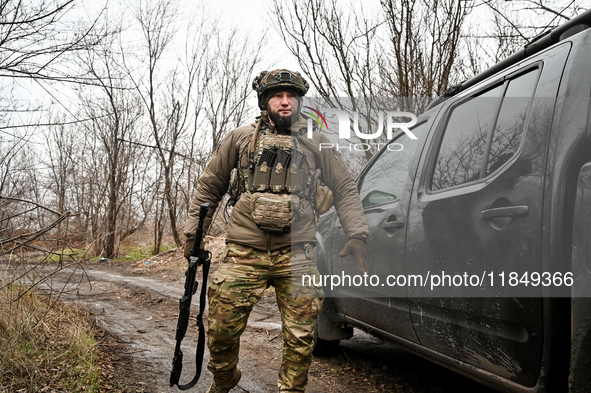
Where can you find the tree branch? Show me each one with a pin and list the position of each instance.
(31, 202)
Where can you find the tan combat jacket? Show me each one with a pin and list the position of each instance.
(233, 153)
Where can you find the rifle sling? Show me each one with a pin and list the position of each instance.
(201, 340)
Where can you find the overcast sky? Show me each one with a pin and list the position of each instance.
(252, 17)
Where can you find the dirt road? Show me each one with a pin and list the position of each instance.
(138, 306)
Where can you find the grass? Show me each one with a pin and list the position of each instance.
(135, 253)
(126, 253)
(46, 346)
(67, 254)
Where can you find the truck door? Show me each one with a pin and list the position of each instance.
(384, 188)
(476, 216)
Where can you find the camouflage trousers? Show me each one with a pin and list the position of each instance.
(245, 273)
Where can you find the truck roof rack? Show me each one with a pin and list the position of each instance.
(575, 25)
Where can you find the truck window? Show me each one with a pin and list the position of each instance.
(484, 132)
(511, 121)
(385, 180)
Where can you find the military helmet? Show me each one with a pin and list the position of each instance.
(269, 82)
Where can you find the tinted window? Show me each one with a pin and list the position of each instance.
(385, 180)
(470, 150)
(511, 121)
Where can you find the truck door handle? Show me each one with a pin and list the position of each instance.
(505, 211)
(393, 224)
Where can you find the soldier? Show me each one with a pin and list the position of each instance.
(274, 173)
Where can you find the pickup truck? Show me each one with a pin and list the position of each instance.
(497, 188)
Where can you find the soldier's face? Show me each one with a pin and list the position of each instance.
(281, 107)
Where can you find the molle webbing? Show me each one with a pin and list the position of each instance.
(279, 166)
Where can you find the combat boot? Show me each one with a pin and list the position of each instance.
(226, 386)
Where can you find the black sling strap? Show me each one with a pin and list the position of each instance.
(198, 257)
(201, 340)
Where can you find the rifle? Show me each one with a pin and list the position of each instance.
(198, 257)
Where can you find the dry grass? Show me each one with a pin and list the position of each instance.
(45, 346)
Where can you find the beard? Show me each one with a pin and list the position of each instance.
(283, 121)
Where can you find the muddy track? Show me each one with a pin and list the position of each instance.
(138, 307)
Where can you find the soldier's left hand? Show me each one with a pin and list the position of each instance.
(357, 248)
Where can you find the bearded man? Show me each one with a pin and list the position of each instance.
(274, 173)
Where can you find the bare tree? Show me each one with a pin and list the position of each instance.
(63, 158)
(334, 46)
(512, 26)
(158, 29)
(337, 48)
(211, 83)
(114, 115)
(231, 69)
(38, 40)
(35, 36)
(423, 48)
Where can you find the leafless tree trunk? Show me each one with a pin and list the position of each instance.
(217, 77)
(423, 48)
(63, 155)
(157, 24)
(158, 226)
(231, 69)
(114, 118)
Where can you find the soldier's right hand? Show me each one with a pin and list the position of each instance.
(188, 247)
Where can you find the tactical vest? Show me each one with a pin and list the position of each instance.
(277, 177)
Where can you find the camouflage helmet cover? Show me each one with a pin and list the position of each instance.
(269, 82)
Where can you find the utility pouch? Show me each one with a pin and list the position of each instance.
(271, 210)
(279, 172)
(324, 199)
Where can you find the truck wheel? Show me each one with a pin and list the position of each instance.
(581, 383)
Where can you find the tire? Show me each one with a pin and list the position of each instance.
(579, 380)
(582, 382)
